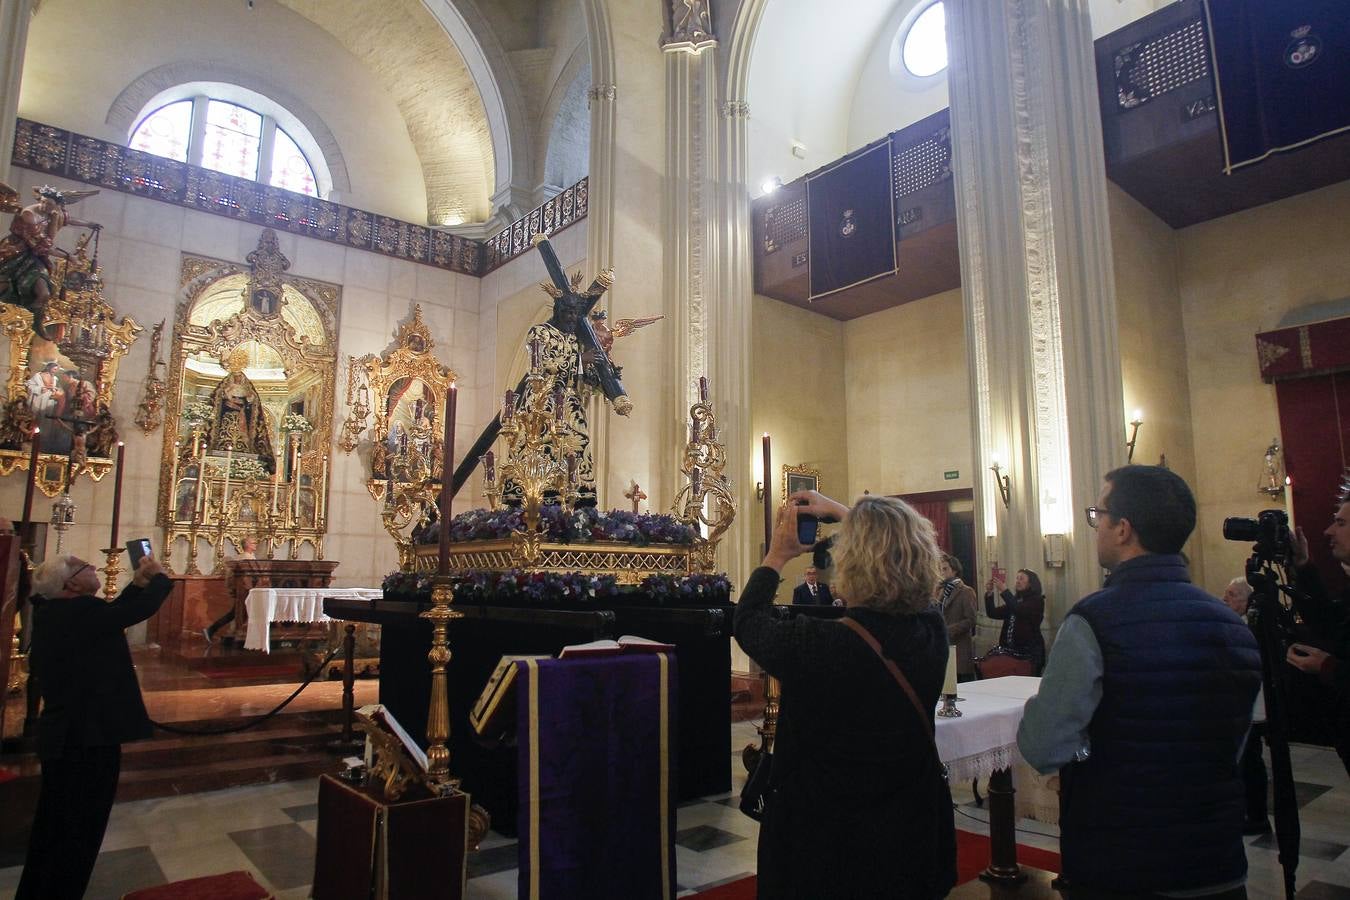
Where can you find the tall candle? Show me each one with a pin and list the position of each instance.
(225, 498)
(534, 354)
(571, 468)
(117, 493)
(509, 407)
(703, 389)
(173, 486)
(768, 494)
(28, 532)
(558, 405)
(949, 680)
(276, 485)
(321, 489)
(490, 466)
(447, 476)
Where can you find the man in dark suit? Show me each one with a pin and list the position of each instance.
(811, 591)
(91, 704)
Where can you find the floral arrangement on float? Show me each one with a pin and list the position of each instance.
(562, 590)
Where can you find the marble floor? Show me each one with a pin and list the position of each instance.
(269, 831)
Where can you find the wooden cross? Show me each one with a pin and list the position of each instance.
(635, 494)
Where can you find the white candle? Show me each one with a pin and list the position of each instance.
(1289, 501)
(949, 682)
(173, 486)
(276, 477)
(225, 499)
(320, 488)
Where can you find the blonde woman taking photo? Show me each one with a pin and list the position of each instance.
(857, 805)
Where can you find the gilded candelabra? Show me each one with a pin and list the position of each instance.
(541, 458)
(706, 501)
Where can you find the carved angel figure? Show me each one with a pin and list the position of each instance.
(605, 336)
(25, 253)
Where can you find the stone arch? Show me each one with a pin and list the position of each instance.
(134, 97)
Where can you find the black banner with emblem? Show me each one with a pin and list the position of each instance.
(851, 215)
(1281, 74)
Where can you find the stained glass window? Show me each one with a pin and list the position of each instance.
(233, 134)
(233, 139)
(925, 44)
(165, 132)
(290, 169)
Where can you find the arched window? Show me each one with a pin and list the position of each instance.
(923, 41)
(227, 137)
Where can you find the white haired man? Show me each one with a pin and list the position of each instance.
(91, 705)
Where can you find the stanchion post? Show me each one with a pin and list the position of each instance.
(1003, 867)
(348, 683)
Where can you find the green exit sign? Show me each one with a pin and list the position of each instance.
(952, 475)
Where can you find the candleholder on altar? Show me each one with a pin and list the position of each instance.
(948, 709)
(540, 458)
(707, 500)
(438, 712)
(112, 570)
(63, 517)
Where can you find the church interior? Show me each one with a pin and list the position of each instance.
(323, 276)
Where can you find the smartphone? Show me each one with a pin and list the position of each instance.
(807, 525)
(136, 550)
(996, 573)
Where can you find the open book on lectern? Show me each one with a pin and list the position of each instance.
(489, 717)
(385, 721)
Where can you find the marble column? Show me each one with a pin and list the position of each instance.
(1037, 280)
(14, 19)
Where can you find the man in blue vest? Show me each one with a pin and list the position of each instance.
(1143, 709)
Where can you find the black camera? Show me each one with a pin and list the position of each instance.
(1269, 531)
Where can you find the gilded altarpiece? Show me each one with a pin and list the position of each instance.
(250, 409)
(396, 407)
(64, 385)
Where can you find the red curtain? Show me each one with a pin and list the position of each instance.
(935, 512)
(1315, 426)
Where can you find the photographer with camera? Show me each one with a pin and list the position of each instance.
(1329, 620)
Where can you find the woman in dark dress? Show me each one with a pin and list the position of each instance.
(1021, 613)
(857, 806)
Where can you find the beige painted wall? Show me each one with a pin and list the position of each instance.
(1238, 276)
(799, 398)
(1153, 344)
(908, 398)
(140, 251)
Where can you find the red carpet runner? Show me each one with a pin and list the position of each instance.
(972, 855)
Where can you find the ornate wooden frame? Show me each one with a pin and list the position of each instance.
(802, 469)
(79, 296)
(265, 272)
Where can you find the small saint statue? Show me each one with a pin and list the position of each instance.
(25, 253)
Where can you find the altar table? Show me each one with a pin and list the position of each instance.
(268, 605)
(982, 743)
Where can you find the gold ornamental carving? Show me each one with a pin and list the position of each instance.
(150, 412)
(63, 383)
(395, 402)
(249, 407)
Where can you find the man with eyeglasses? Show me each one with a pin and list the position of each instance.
(1143, 709)
(91, 705)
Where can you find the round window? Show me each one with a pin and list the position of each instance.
(924, 48)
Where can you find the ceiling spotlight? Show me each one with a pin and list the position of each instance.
(771, 184)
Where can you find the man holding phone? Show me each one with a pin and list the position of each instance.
(91, 705)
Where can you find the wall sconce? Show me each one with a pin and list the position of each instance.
(1134, 435)
(1273, 480)
(759, 490)
(1054, 550)
(1004, 482)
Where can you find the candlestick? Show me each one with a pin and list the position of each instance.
(949, 710)
(117, 492)
(447, 476)
(29, 531)
(173, 486)
(768, 494)
(703, 389)
(225, 497)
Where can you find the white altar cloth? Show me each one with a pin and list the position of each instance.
(984, 738)
(268, 605)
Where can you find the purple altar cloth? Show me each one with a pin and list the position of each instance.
(597, 801)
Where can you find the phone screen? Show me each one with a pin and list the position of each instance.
(807, 525)
(136, 550)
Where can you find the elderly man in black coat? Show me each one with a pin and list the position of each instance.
(91, 705)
